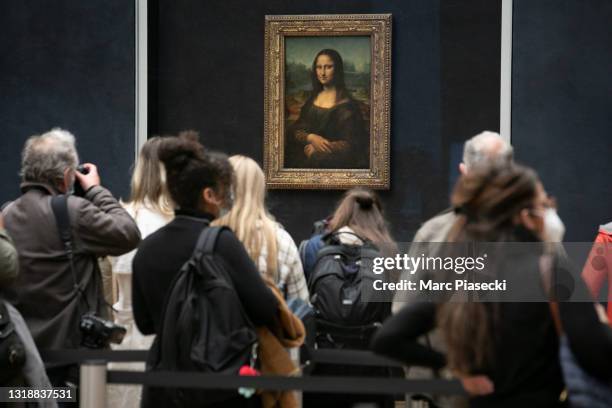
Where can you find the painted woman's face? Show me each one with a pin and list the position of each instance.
(325, 69)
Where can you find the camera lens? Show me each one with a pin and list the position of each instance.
(82, 169)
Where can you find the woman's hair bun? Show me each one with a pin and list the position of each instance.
(365, 202)
(177, 152)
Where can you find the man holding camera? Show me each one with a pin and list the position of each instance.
(55, 291)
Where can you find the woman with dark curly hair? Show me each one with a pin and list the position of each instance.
(200, 187)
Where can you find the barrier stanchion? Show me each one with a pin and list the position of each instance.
(294, 353)
(93, 384)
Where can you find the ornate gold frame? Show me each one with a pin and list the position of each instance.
(378, 26)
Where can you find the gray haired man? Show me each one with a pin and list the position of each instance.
(485, 149)
(48, 294)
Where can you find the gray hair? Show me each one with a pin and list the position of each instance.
(486, 148)
(45, 157)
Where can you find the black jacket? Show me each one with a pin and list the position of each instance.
(159, 259)
(162, 254)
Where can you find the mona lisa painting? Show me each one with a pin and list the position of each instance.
(327, 100)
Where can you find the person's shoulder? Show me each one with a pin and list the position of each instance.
(230, 249)
(315, 242)
(226, 239)
(284, 240)
(439, 220)
(281, 233)
(78, 203)
(442, 217)
(606, 229)
(436, 228)
(78, 207)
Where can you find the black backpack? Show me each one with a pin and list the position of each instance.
(12, 350)
(204, 326)
(335, 286)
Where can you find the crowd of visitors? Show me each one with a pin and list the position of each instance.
(207, 280)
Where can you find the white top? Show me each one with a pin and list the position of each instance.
(128, 396)
(148, 221)
(347, 236)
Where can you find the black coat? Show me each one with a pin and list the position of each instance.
(159, 259)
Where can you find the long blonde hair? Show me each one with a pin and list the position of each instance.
(254, 226)
(148, 186)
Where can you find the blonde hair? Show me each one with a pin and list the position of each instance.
(148, 186)
(254, 226)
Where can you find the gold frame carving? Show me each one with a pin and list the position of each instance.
(378, 27)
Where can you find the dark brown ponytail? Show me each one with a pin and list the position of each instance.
(361, 210)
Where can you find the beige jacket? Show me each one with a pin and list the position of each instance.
(274, 358)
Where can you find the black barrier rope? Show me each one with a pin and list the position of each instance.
(322, 356)
(77, 356)
(353, 385)
(351, 357)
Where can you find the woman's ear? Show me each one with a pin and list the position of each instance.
(210, 202)
(206, 195)
(210, 197)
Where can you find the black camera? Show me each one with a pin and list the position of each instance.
(78, 189)
(99, 333)
(82, 169)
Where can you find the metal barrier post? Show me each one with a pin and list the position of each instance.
(294, 353)
(93, 384)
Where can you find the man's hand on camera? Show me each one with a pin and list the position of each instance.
(90, 179)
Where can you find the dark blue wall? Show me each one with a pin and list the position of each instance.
(562, 105)
(68, 63)
(207, 74)
(71, 63)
